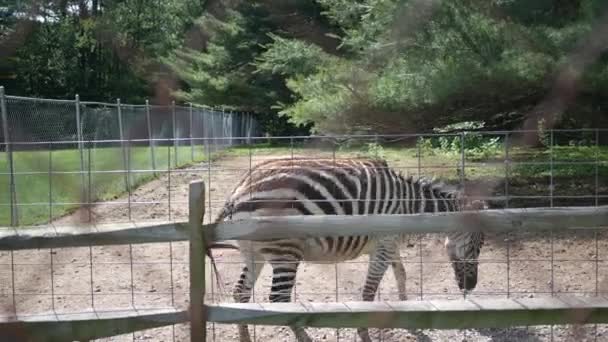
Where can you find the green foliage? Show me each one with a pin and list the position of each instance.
(102, 52)
(374, 150)
(340, 66)
(242, 66)
(431, 63)
(544, 137)
(323, 97)
(459, 138)
(7, 17)
(290, 57)
(223, 73)
(578, 162)
(401, 65)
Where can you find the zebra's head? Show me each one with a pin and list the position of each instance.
(463, 249)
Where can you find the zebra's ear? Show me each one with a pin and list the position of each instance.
(439, 184)
(423, 180)
(405, 176)
(476, 204)
(479, 204)
(449, 188)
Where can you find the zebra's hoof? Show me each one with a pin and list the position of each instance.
(244, 334)
(301, 335)
(364, 335)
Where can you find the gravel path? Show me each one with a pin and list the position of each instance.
(141, 275)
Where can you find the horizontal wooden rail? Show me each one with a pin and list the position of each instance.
(532, 219)
(268, 228)
(91, 235)
(85, 326)
(426, 314)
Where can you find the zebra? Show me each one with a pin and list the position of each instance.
(358, 186)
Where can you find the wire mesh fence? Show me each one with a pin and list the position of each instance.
(49, 120)
(118, 177)
(102, 149)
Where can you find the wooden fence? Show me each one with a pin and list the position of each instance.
(436, 314)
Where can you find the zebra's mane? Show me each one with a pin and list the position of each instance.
(377, 161)
(433, 182)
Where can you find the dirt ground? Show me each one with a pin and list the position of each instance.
(156, 275)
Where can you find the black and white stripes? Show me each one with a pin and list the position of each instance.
(338, 187)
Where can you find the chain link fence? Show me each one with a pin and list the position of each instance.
(104, 148)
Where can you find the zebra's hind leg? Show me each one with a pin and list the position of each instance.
(244, 287)
(400, 276)
(283, 279)
(379, 261)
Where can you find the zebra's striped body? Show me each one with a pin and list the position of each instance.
(338, 187)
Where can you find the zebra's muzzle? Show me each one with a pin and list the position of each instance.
(466, 275)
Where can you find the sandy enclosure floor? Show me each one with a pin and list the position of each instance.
(156, 275)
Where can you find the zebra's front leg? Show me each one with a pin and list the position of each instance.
(378, 264)
(283, 280)
(244, 288)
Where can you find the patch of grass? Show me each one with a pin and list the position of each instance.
(562, 161)
(54, 176)
(485, 159)
(261, 149)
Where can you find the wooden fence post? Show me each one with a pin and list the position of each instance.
(198, 316)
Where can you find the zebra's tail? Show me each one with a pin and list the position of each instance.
(221, 245)
(210, 248)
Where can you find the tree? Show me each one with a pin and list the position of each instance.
(336, 65)
(414, 65)
(223, 72)
(99, 49)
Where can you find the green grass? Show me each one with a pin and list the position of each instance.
(35, 188)
(568, 161)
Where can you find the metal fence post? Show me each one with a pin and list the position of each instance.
(462, 161)
(50, 176)
(249, 127)
(244, 120)
(175, 142)
(242, 116)
(507, 169)
(150, 137)
(122, 144)
(9, 156)
(551, 165)
(198, 317)
(205, 132)
(191, 135)
(231, 119)
(83, 189)
(211, 132)
(223, 128)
